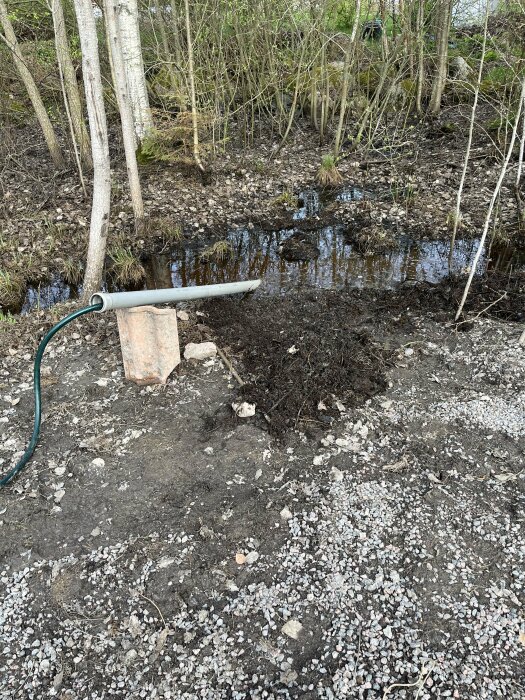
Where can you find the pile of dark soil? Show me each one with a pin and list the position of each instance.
(305, 352)
(303, 355)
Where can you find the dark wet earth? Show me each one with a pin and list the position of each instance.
(288, 259)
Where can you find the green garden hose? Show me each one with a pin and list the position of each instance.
(36, 388)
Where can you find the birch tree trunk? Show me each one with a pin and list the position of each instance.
(126, 114)
(346, 79)
(493, 200)
(420, 34)
(443, 19)
(70, 83)
(128, 28)
(98, 129)
(191, 79)
(31, 87)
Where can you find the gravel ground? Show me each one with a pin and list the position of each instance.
(159, 548)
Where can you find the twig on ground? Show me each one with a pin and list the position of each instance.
(469, 320)
(419, 684)
(231, 368)
(152, 602)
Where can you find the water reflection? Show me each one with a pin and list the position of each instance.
(44, 296)
(312, 201)
(354, 194)
(256, 254)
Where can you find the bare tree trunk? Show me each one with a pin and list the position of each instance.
(493, 200)
(457, 213)
(98, 229)
(32, 90)
(70, 83)
(128, 28)
(126, 115)
(176, 33)
(72, 132)
(443, 19)
(346, 79)
(420, 32)
(191, 79)
(384, 36)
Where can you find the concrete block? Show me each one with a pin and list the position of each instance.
(149, 340)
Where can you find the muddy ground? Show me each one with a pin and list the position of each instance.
(158, 546)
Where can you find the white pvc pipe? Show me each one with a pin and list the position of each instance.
(128, 300)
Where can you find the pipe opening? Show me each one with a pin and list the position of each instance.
(98, 299)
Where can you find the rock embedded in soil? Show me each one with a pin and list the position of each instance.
(244, 409)
(292, 629)
(200, 351)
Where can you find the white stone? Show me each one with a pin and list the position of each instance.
(200, 351)
(292, 628)
(244, 409)
(252, 557)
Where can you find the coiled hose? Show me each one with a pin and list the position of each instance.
(36, 388)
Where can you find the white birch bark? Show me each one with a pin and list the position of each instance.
(126, 115)
(493, 200)
(32, 90)
(444, 16)
(99, 147)
(128, 28)
(72, 93)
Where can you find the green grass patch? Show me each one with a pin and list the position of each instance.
(126, 268)
(328, 175)
(11, 289)
(218, 252)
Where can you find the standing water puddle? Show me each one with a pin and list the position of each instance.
(334, 262)
(257, 255)
(311, 202)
